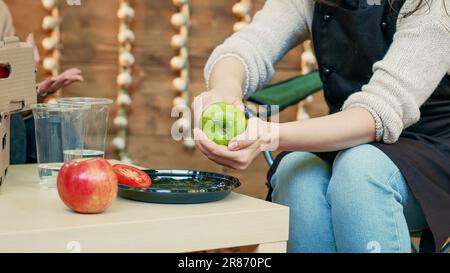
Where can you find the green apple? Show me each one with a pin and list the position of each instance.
(222, 122)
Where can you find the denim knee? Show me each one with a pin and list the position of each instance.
(362, 169)
(294, 164)
(299, 173)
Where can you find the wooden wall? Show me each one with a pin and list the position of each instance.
(89, 42)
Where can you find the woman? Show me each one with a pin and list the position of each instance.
(378, 166)
(23, 143)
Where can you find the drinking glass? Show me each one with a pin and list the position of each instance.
(53, 123)
(95, 124)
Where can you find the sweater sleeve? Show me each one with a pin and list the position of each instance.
(415, 64)
(278, 27)
(6, 22)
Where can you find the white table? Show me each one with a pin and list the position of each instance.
(35, 220)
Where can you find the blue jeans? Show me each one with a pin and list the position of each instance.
(23, 140)
(359, 204)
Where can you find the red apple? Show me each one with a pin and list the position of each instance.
(87, 185)
(4, 71)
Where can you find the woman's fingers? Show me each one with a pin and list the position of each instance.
(218, 150)
(66, 79)
(73, 74)
(72, 79)
(199, 138)
(72, 71)
(239, 160)
(240, 144)
(246, 156)
(57, 84)
(45, 85)
(248, 138)
(211, 147)
(239, 104)
(200, 142)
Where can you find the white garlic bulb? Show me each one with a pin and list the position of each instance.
(178, 62)
(126, 160)
(49, 43)
(179, 101)
(125, 12)
(239, 25)
(241, 9)
(52, 101)
(178, 19)
(126, 35)
(49, 22)
(189, 143)
(121, 122)
(180, 84)
(180, 2)
(124, 100)
(185, 124)
(119, 143)
(50, 64)
(178, 41)
(308, 57)
(126, 59)
(49, 4)
(125, 79)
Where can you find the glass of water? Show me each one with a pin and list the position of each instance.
(52, 123)
(95, 124)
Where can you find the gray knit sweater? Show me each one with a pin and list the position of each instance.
(416, 62)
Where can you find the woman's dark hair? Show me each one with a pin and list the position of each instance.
(391, 3)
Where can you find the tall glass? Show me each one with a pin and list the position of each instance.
(53, 123)
(95, 128)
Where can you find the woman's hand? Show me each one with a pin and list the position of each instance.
(207, 98)
(225, 84)
(243, 149)
(226, 81)
(53, 84)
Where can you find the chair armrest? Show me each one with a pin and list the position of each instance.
(289, 92)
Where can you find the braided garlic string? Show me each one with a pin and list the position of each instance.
(126, 61)
(51, 44)
(242, 10)
(180, 63)
(308, 64)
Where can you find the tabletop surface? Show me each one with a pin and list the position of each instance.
(26, 211)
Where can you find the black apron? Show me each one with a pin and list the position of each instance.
(348, 40)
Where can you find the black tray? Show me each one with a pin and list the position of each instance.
(182, 187)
